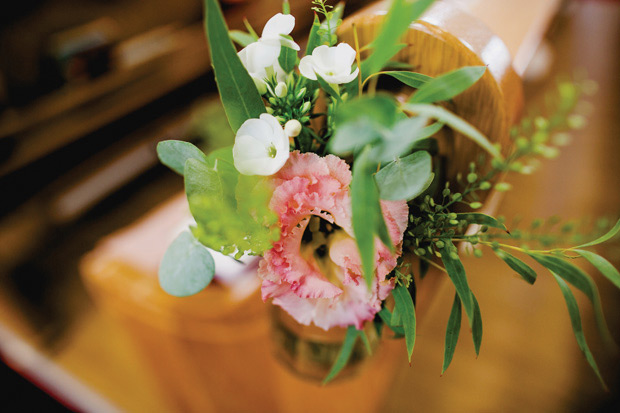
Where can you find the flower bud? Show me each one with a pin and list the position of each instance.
(485, 185)
(301, 93)
(305, 107)
(503, 187)
(475, 205)
(292, 128)
(281, 90)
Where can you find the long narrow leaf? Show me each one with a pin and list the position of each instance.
(582, 282)
(344, 354)
(411, 79)
(452, 333)
(404, 303)
(386, 316)
(238, 92)
(314, 39)
(601, 264)
(521, 268)
(609, 235)
(476, 328)
(456, 123)
(401, 14)
(456, 272)
(481, 219)
(575, 319)
(448, 85)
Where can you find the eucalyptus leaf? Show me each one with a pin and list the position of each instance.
(241, 38)
(582, 282)
(344, 354)
(396, 319)
(448, 85)
(385, 45)
(386, 316)
(381, 109)
(476, 328)
(453, 330)
(456, 272)
(456, 123)
(352, 137)
(575, 319)
(367, 216)
(328, 88)
(521, 268)
(314, 39)
(404, 303)
(186, 268)
(287, 59)
(609, 235)
(601, 264)
(238, 92)
(174, 154)
(200, 178)
(411, 79)
(481, 219)
(405, 178)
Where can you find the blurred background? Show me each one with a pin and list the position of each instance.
(88, 88)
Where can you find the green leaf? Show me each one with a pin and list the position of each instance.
(405, 178)
(386, 44)
(365, 341)
(396, 320)
(404, 303)
(241, 38)
(452, 333)
(582, 282)
(366, 214)
(521, 268)
(601, 264)
(456, 123)
(186, 268)
(481, 219)
(314, 39)
(476, 328)
(287, 59)
(456, 272)
(174, 154)
(286, 7)
(344, 354)
(575, 319)
(448, 85)
(609, 235)
(381, 109)
(386, 316)
(352, 137)
(200, 178)
(411, 79)
(328, 88)
(238, 92)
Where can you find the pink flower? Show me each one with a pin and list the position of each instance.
(314, 270)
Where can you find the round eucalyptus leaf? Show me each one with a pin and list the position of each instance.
(187, 267)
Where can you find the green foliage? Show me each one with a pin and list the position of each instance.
(601, 264)
(241, 38)
(186, 268)
(521, 268)
(174, 154)
(344, 354)
(231, 210)
(582, 282)
(452, 333)
(287, 59)
(575, 319)
(411, 79)
(476, 328)
(237, 89)
(404, 304)
(448, 85)
(367, 218)
(386, 44)
(481, 219)
(456, 123)
(314, 39)
(405, 178)
(456, 272)
(386, 316)
(329, 89)
(606, 237)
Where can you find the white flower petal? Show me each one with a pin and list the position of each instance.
(255, 143)
(306, 67)
(349, 78)
(279, 24)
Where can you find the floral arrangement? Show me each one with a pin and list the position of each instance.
(336, 184)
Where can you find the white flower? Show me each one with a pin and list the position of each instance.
(331, 63)
(261, 57)
(281, 90)
(292, 128)
(261, 146)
